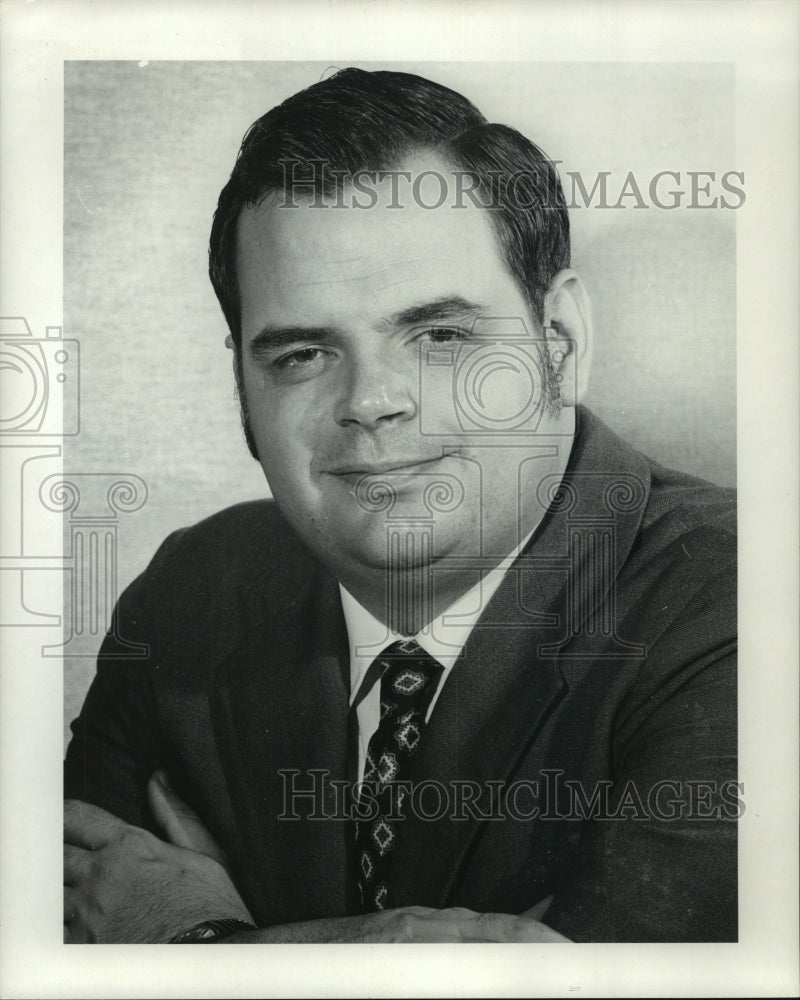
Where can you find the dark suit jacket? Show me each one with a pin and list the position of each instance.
(604, 665)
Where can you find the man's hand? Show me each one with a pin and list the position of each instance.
(123, 885)
(420, 924)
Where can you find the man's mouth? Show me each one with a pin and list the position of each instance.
(385, 467)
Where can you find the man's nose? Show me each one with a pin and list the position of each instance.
(374, 394)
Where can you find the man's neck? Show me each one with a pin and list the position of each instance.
(407, 612)
(407, 598)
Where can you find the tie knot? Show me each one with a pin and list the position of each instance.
(405, 649)
(406, 673)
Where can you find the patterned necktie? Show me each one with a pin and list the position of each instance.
(408, 681)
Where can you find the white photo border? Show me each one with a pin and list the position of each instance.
(760, 40)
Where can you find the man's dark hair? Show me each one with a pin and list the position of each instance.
(369, 121)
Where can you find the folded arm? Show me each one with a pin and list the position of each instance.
(124, 885)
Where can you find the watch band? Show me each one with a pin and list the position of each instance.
(212, 931)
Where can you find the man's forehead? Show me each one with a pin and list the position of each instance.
(370, 202)
(370, 251)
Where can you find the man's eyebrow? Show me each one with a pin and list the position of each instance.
(446, 308)
(272, 338)
(450, 307)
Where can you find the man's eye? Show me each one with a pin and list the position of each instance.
(444, 334)
(297, 359)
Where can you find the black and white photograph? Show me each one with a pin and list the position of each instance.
(393, 452)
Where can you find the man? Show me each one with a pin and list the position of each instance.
(472, 675)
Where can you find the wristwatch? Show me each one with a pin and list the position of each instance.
(212, 931)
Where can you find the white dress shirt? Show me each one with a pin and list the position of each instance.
(443, 638)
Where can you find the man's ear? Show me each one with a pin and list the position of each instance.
(229, 342)
(569, 332)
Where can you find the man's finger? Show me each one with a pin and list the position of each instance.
(70, 905)
(74, 931)
(537, 912)
(508, 928)
(76, 862)
(181, 824)
(88, 826)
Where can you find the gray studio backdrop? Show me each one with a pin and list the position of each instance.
(148, 147)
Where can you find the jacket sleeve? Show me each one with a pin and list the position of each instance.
(116, 745)
(662, 865)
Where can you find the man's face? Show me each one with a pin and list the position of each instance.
(392, 374)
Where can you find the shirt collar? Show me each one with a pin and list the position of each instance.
(443, 638)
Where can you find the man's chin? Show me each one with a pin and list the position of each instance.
(397, 548)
